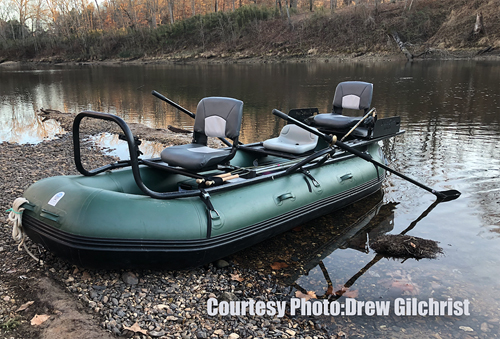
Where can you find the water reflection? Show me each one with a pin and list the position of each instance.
(19, 127)
(112, 145)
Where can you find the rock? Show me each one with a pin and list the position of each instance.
(228, 296)
(290, 332)
(221, 263)
(466, 329)
(130, 278)
(484, 327)
(201, 334)
(156, 333)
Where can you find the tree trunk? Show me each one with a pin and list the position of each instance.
(479, 25)
(333, 5)
(288, 14)
(171, 11)
(402, 47)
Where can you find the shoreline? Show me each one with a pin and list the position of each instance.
(190, 58)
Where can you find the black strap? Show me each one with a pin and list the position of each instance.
(205, 197)
(313, 180)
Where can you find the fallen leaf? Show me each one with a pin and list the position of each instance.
(236, 277)
(278, 265)
(135, 328)
(86, 276)
(351, 293)
(39, 319)
(309, 295)
(24, 306)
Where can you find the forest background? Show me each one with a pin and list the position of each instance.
(88, 30)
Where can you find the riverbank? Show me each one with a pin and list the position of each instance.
(426, 29)
(223, 58)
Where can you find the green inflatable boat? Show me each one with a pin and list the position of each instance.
(196, 204)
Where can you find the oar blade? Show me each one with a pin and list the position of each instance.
(448, 195)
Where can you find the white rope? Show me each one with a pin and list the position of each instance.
(16, 217)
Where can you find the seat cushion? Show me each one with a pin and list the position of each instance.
(292, 139)
(335, 121)
(194, 157)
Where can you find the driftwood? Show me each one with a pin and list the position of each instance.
(401, 46)
(405, 246)
(178, 130)
(486, 50)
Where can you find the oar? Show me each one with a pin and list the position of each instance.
(176, 105)
(182, 109)
(441, 195)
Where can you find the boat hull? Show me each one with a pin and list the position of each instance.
(100, 222)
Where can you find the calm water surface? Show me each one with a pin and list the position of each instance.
(451, 114)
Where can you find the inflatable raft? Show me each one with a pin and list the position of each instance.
(196, 204)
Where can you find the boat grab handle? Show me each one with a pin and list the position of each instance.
(284, 196)
(346, 177)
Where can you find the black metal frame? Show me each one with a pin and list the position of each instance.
(306, 164)
(134, 161)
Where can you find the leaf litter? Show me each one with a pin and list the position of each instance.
(405, 246)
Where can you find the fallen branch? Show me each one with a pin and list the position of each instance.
(178, 130)
(486, 50)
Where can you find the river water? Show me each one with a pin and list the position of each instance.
(451, 113)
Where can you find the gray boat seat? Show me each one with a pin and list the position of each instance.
(215, 117)
(292, 139)
(356, 95)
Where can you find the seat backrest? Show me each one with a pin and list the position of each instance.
(353, 95)
(219, 117)
(296, 135)
(292, 139)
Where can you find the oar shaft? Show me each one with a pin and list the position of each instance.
(288, 118)
(443, 195)
(176, 105)
(366, 157)
(180, 108)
